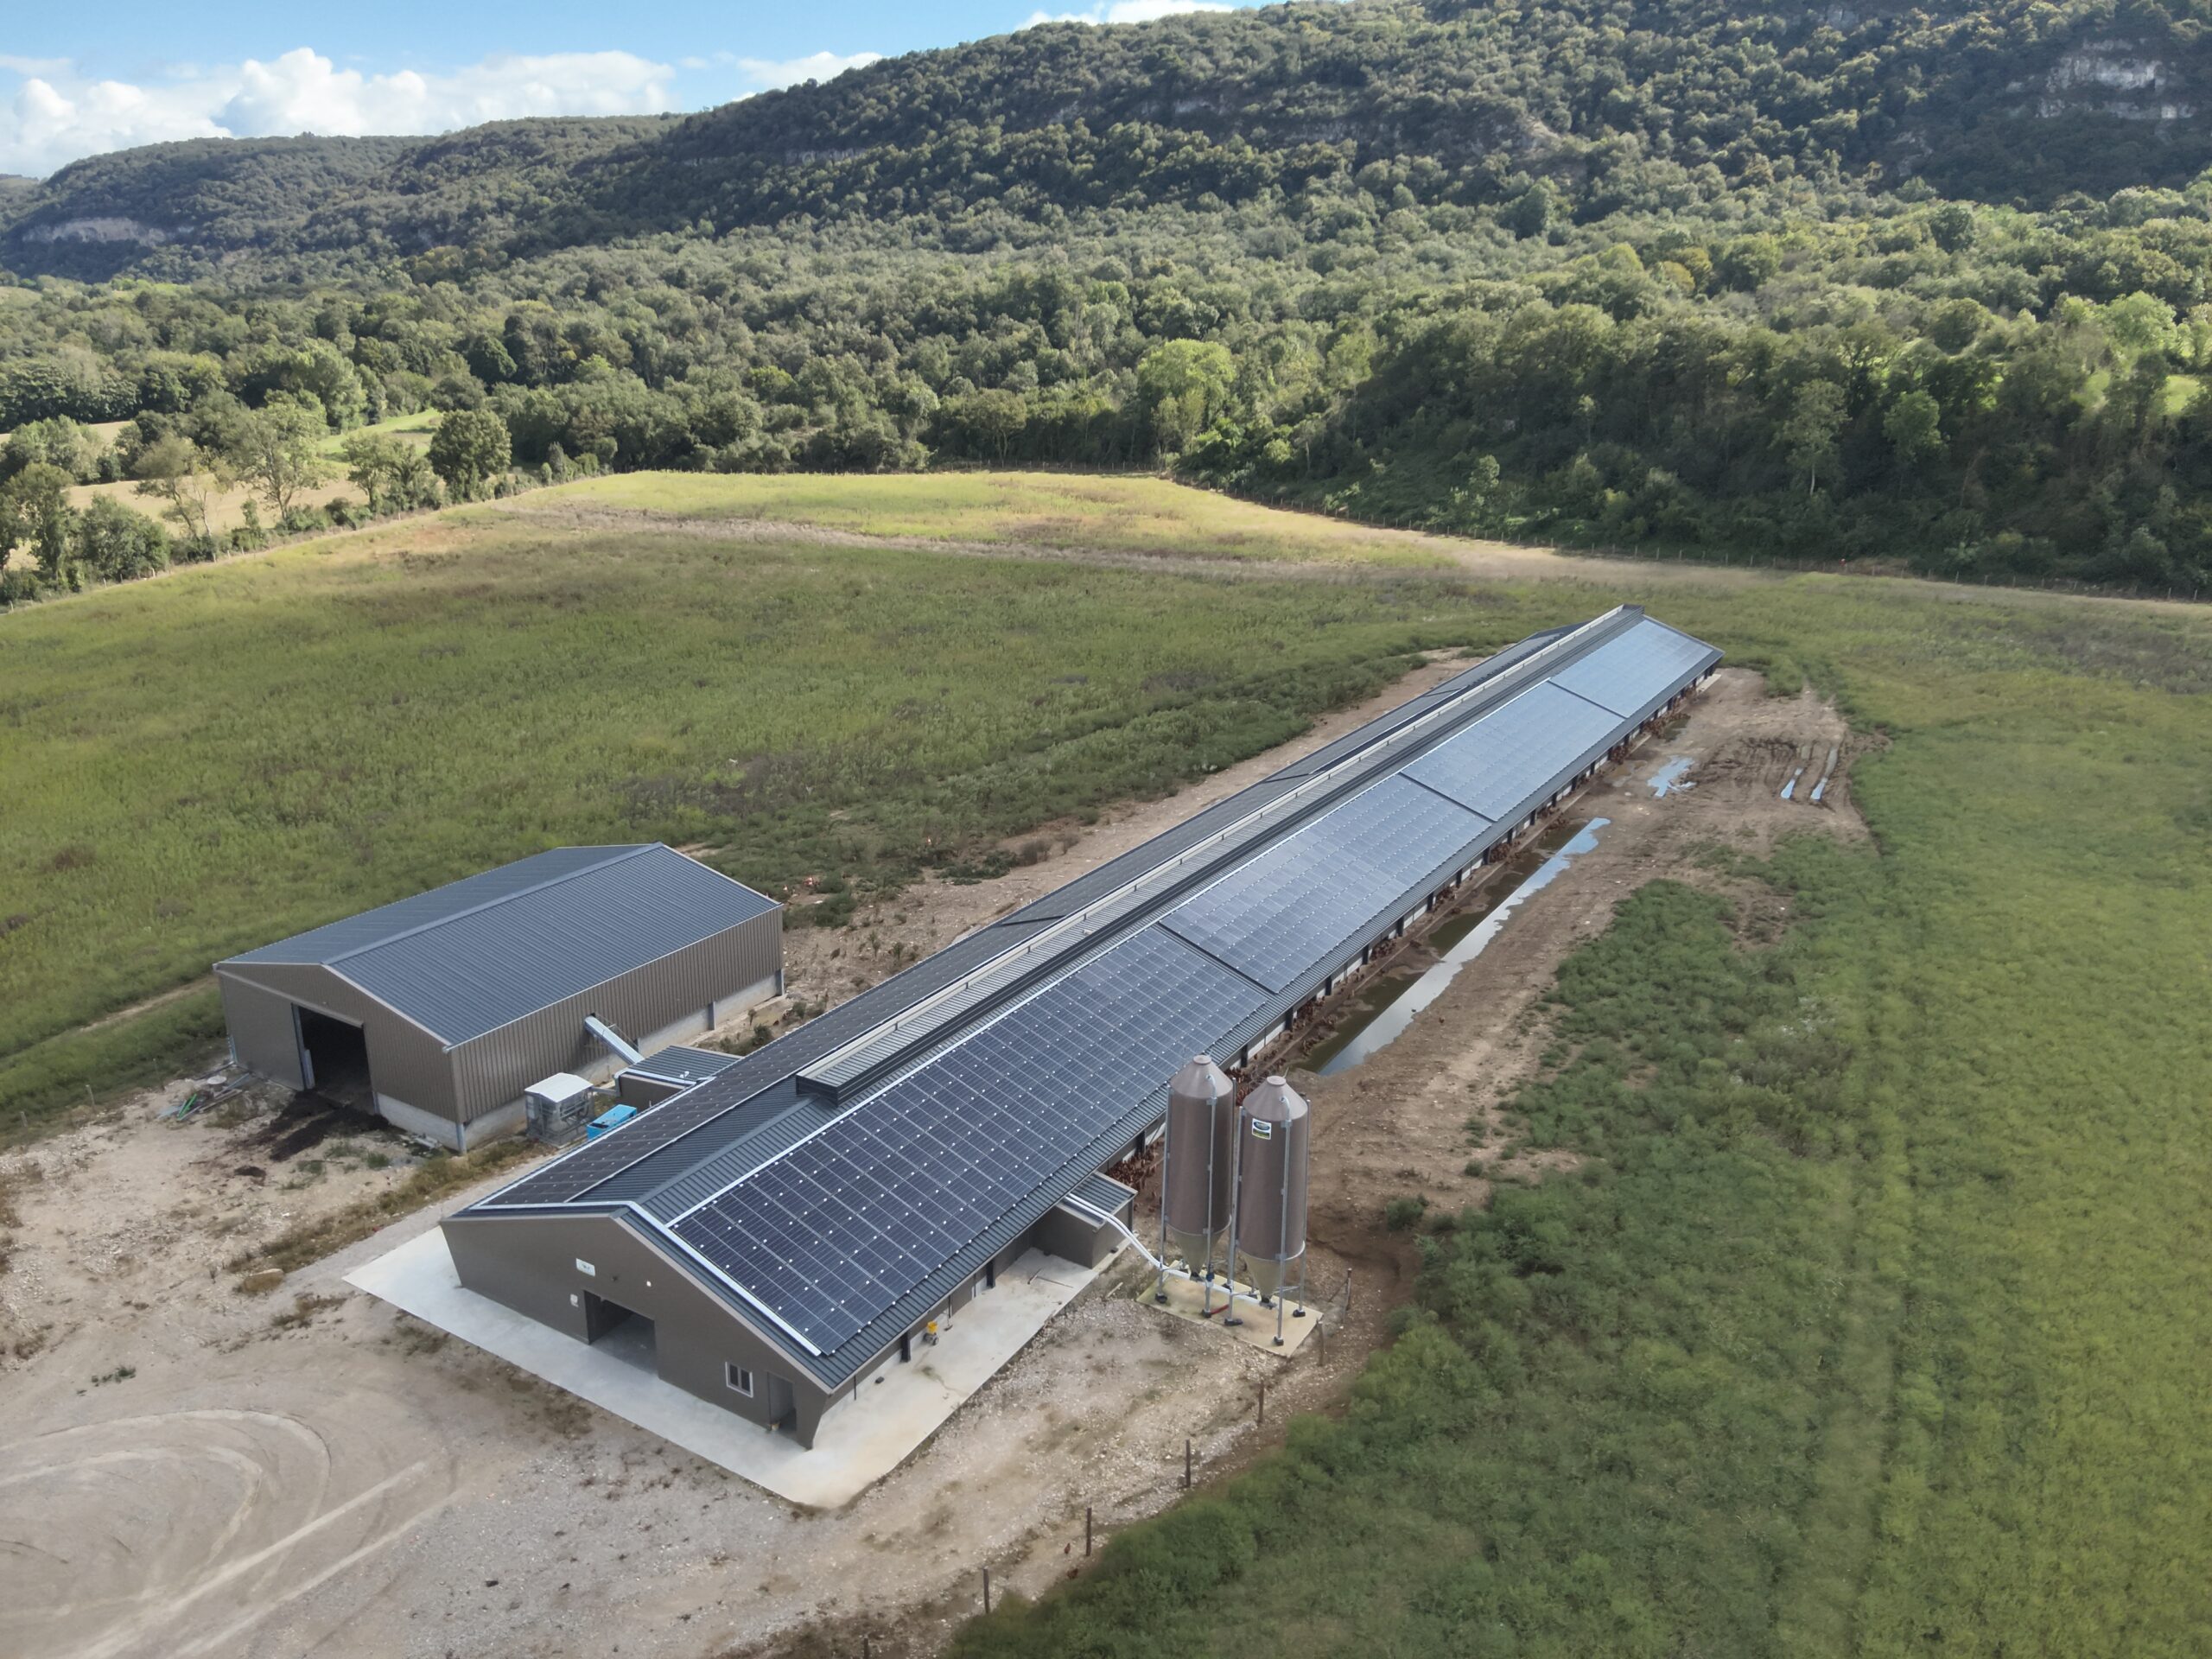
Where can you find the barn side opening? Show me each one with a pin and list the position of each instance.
(621, 1333)
(334, 1060)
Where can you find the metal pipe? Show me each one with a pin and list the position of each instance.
(1236, 1214)
(1166, 1151)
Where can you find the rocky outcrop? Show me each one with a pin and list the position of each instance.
(103, 230)
(2114, 78)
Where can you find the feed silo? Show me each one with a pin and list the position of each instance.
(1267, 1249)
(1198, 1159)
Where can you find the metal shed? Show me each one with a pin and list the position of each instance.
(439, 1011)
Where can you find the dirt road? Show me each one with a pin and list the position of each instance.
(187, 1470)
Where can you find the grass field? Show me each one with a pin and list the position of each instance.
(1873, 1320)
(1112, 512)
(220, 757)
(416, 428)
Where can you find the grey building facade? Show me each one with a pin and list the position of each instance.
(439, 1011)
(792, 1223)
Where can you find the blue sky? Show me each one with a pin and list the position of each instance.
(77, 81)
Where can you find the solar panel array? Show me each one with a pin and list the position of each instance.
(1507, 756)
(664, 1145)
(831, 1220)
(1275, 917)
(844, 1225)
(1634, 668)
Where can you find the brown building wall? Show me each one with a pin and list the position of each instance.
(406, 1063)
(1074, 1237)
(529, 1263)
(662, 1002)
(264, 1036)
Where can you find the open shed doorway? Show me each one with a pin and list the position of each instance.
(334, 1060)
(620, 1332)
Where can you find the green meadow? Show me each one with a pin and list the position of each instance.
(229, 754)
(1104, 512)
(1872, 1319)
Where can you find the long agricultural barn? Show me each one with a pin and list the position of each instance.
(788, 1226)
(440, 1010)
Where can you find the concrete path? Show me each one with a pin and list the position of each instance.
(860, 1439)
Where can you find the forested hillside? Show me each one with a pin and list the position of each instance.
(1922, 287)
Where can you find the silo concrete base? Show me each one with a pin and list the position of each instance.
(1258, 1330)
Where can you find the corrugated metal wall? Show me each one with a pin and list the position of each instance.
(533, 1264)
(405, 1061)
(412, 1066)
(497, 1067)
(264, 1038)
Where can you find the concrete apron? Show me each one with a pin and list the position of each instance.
(860, 1439)
(1185, 1298)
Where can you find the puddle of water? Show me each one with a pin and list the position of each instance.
(1388, 1006)
(1667, 780)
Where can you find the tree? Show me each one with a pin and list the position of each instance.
(278, 449)
(1914, 427)
(58, 442)
(1810, 435)
(393, 474)
(1184, 383)
(113, 543)
(991, 420)
(1952, 226)
(1528, 213)
(187, 479)
(1749, 262)
(316, 370)
(470, 448)
(35, 513)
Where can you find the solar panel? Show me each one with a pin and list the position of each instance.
(848, 1227)
(1500, 765)
(837, 1229)
(1303, 898)
(1630, 671)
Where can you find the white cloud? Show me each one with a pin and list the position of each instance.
(1126, 11)
(766, 74)
(55, 116)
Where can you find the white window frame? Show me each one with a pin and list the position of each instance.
(739, 1379)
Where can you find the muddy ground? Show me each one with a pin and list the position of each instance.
(189, 1469)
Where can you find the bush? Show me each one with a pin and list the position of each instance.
(1400, 1214)
(113, 543)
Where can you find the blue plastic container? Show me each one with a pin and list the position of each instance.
(612, 1119)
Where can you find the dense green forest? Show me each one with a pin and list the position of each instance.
(1922, 289)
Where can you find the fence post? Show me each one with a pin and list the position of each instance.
(1186, 1465)
(987, 1589)
(1086, 1532)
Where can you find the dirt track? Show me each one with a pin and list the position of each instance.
(278, 1477)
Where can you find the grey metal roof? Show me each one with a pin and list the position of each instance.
(679, 1064)
(1102, 1192)
(478, 954)
(719, 1136)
